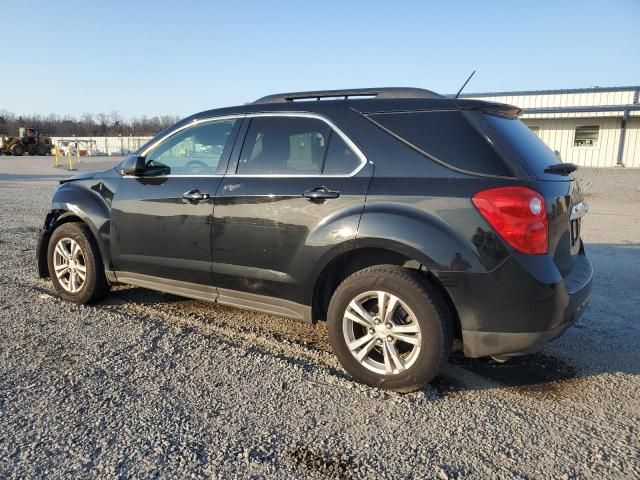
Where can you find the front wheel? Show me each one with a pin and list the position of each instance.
(19, 150)
(390, 328)
(75, 265)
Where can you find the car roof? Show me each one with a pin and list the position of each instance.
(364, 100)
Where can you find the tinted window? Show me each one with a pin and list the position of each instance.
(193, 151)
(447, 136)
(282, 145)
(527, 144)
(340, 158)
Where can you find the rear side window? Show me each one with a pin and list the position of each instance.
(448, 136)
(284, 145)
(294, 145)
(340, 159)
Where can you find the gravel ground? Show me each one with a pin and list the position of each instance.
(148, 385)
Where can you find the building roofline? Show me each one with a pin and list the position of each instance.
(552, 92)
(596, 108)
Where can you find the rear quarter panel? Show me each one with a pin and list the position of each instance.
(433, 221)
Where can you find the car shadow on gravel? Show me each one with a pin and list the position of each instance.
(613, 306)
(537, 375)
(125, 295)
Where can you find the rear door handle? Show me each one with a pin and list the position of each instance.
(320, 193)
(195, 196)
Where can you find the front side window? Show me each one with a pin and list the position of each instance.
(193, 151)
(586, 136)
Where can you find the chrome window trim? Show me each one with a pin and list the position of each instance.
(333, 126)
(178, 130)
(176, 176)
(189, 125)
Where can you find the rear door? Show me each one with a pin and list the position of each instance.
(161, 220)
(293, 195)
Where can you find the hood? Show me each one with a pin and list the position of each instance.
(80, 176)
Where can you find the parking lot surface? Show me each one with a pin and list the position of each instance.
(148, 384)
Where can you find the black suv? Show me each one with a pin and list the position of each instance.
(411, 222)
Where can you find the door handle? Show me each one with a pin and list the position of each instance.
(195, 196)
(320, 194)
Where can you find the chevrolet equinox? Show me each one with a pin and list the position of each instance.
(409, 221)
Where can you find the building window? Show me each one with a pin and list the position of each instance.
(586, 136)
(535, 129)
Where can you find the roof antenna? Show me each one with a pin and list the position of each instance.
(465, 84)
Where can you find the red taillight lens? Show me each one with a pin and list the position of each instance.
(518, 214)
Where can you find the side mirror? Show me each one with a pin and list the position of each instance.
(132, 165)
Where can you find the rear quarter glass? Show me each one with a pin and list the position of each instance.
(446, 136)
(531, 150)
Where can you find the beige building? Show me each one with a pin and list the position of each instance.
(591, 127)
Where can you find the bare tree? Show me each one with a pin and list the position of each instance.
(103, 120)
(89, 124)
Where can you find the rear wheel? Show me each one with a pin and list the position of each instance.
(75, 266)
(390, 328)
(42, 149)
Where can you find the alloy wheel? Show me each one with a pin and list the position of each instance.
(381, 332)
(69, 265)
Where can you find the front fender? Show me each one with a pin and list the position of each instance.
(87, 204)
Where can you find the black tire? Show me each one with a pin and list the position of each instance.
(41, 149)
(18, 150)
(95, 285)
(431, 313)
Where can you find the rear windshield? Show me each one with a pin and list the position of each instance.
(526, 143)
(447, 136)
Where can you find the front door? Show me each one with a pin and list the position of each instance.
(297, 192)
(161, 220)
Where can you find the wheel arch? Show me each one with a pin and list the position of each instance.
(347, 263)
(75, 205)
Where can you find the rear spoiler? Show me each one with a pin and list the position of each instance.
(366, 107)
(495, 107)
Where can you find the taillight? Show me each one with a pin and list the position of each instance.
(518, 214)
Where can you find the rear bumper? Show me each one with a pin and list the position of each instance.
(511, 312)
(482, 344)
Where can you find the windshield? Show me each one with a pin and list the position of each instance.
(533, 151)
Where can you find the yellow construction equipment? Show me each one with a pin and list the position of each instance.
(28, 141)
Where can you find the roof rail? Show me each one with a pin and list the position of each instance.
(385, 92)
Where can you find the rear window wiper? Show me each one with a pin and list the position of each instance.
(561, 168)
